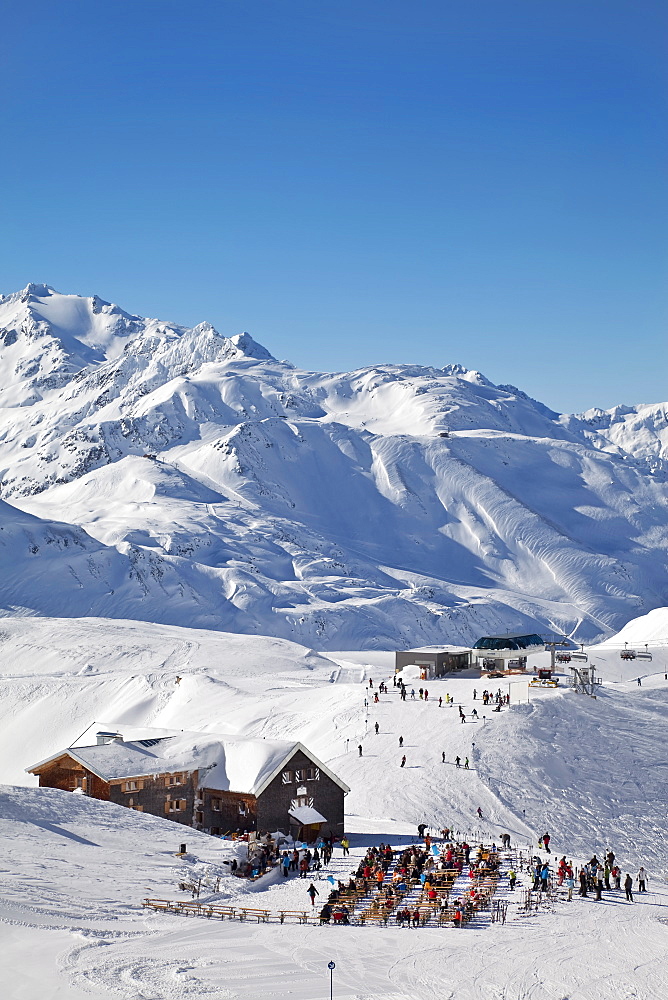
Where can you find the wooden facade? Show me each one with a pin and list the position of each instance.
(177, 795)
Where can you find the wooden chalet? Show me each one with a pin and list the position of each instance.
(218, 784)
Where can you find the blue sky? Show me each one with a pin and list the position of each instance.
(354, 182)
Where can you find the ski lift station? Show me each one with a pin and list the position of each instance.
(507, 652)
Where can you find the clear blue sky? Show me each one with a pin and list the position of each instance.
(354, 181)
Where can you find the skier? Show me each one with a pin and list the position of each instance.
(583, 882)
(639, 683)
(426, 695)
(544, 876)
(345, 844)
(546, 840)
(443, 757)
(403, 761)
(479, 811)
(359, 749)
(376, 727)
(570, 884)
(285, 864)
(313, 892)
(440, 702)
(421, 828)
(512, 878)
(642, 879)
(474, 694)
(466, 763)
(401, 741)
(458, 761)
(628, 887)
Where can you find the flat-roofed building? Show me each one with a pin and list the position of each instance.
(434, 661)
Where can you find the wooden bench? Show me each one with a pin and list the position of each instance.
(219, 911)
(374, 918)
(301, 915)
(249, 913)
(160, 904)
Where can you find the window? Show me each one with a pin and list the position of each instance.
(175, 805)
(132, 786)
(173, 779)
(302, 800)
(215, 805)
(313, 774)
(300, 775)
(287, 777)
(242, 808)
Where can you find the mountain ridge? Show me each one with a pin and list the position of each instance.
(391, 505)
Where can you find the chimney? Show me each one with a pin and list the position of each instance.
(103, 738)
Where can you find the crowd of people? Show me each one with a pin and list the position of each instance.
(594, 877)
(385, 877)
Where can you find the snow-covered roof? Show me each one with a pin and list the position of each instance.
(306, 815)
(439, 649)
(225, 763)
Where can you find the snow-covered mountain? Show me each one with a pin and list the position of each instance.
(175, 475)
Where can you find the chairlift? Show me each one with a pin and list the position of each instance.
(563, 657)
(579, 656)
(628, 654)
(644, 656)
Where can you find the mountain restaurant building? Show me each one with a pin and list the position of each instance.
(218, 784)
(434, 661)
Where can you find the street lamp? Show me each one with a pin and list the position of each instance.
(331, 966)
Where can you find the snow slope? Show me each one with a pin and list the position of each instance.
(75, 870)
(325, 508)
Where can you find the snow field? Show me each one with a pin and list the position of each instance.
(76, 870)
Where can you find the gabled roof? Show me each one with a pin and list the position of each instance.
(318, 763)
(225, 763)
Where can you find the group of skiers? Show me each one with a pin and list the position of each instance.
(423, 694)
(491, 698)
(594, 877)
(305, 861)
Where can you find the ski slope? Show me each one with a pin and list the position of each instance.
(75, 870)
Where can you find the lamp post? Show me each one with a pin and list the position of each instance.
(331, 966)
